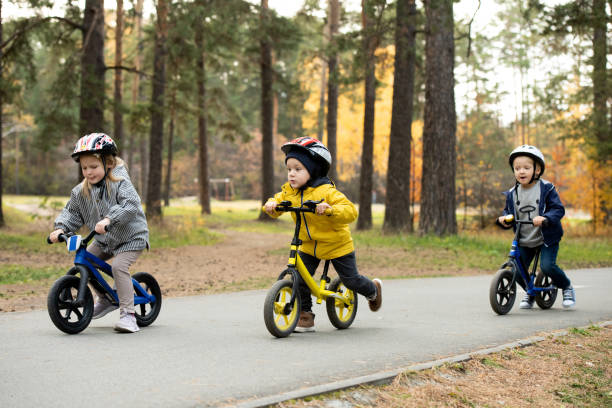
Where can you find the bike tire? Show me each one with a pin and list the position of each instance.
(279, 324)
(146, 313)
(502, 292)
(64, 314)
(341, 313)
(545, 299)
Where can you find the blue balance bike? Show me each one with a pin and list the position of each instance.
(70, 301)
(502, 292)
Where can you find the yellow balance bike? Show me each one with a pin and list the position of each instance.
(282, 305)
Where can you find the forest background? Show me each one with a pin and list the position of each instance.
(199, 93)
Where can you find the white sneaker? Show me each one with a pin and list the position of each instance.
(527, 302)
(569, 297)
(102, 307)
(127, 323)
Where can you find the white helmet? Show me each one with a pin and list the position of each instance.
(530, 151)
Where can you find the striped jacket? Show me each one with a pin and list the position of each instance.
(128, 230)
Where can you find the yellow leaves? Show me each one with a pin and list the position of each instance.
(350, 117)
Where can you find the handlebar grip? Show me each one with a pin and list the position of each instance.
(60, 238)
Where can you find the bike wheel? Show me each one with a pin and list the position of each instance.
(502, 291)
(545, 299)
(277, 322)
(341, 313)
(146, 313)
(64, 313)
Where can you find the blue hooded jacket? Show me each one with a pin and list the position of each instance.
(549, 206)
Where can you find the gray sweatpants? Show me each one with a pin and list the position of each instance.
(121, 273)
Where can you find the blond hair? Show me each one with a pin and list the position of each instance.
(111, 162)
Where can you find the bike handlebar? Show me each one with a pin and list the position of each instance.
(84, 241)
(309, 206)
(510, 220)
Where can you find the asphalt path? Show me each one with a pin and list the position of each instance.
(215, 350)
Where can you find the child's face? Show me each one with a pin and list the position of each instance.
(297, 175)
(92, 168)
(524, 168)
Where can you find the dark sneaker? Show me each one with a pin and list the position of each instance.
(306, 323)
(569, 297)
(527, 302)
(103, 307)
(376, 302)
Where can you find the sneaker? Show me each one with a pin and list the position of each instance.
(527, 302)
(376, 301)
(127, 323)
(306, 323)
(102, 307)
(569, 297)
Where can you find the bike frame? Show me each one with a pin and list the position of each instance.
(296, 267)
(516, 264)
(89, 266)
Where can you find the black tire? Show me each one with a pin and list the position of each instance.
(64, 313)
(341, 313)
(502, 292)
(545, 299)
(146, 313)
(277, 322)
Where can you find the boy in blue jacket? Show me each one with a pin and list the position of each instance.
(528, 165)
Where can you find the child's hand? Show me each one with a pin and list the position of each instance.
(270, 207)
(539, 221)
(101, 224)
(502, 220)
(321, 207)
(55, 234)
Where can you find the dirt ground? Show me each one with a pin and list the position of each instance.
(242, 260)
(574, 370)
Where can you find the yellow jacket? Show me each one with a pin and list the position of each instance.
(323, 236)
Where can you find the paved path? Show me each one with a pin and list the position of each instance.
(215, 350)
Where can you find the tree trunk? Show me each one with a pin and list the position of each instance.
(439, 157)
(321, 113)
(157, 113)
(1, 121)
(332, 85)
(202, 134)
(397, 205)
(91, 116)
(117, 114)
(136, 91)
(267, 111)
(365, 182)
(603, 134)
(168, 180)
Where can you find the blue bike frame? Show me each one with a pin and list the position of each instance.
(88, 266)
(517, 265)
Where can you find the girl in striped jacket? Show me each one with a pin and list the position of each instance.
(106, 197)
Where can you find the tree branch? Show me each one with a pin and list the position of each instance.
(128, 69)
(33, 23)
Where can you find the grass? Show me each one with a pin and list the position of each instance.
(403, 254)
(11, 274)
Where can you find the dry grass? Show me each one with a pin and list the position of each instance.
(574, 370)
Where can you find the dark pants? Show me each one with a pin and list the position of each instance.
(346, 266)
(548, 264)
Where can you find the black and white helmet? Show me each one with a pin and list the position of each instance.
(530, 151)
(313, 147)
(94, 143)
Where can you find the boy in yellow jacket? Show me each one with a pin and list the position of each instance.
(324, 235)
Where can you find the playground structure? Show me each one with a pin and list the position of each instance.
(222, 189)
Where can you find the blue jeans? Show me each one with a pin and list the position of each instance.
(346, 266)
(548, 264)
